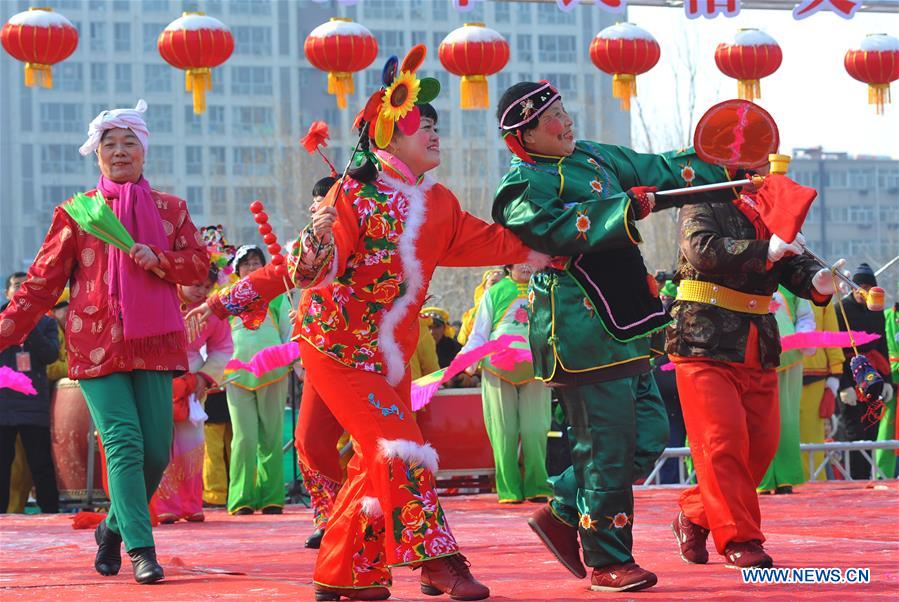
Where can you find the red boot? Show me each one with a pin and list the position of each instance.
(560, 539)
(691, 538)
(450, 575)
(621, 577)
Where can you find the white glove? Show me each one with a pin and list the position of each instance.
(777, 248)
(848, 396)
(833, 383)
(887, 392)
(823, 281)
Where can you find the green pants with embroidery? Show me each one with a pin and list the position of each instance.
(617, 430)
(133, 413)
(886, 458)
(256, 475)
(513, 413)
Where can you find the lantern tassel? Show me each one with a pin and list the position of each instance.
(879, 94)
(749, 89)
(624, 86)
(38, 73)
(340, 84)
(475, 93)
(198, 81)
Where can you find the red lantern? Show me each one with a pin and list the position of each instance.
(876, 63)
(473, 52)
(196, 43)
(341, 47)
(624, 51)
(752, 56)
(40, 38)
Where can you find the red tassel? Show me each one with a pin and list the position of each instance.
(516, 147)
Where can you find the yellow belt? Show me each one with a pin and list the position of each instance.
(721, 296)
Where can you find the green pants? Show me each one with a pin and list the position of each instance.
(786, 467)
(257, 470)
(512, 412)
(886, 458)
(133, 413)
(617, 430)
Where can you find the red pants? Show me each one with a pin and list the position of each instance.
(733, 425)
(387, 512)
(315, 438)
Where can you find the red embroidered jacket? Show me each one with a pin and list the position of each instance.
(94, 339)
(367, 287)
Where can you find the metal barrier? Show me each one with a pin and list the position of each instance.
(836, 454)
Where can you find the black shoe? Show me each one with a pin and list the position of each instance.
(108, 560)
(243, 511)
(273, 510)
(784, 489)
(315, 540)
(146, 569)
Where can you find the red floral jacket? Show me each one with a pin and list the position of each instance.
(94, 340)
(368, 285)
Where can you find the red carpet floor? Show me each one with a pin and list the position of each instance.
(839, 525)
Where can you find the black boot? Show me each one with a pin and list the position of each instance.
(315, 540)
(108, 560)
(146, 569)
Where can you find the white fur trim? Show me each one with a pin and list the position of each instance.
(371, 507)
(538, 260)
(409, 452)
(412, 270)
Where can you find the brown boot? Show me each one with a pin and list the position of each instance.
(327, 594)
(621, 577)
(450, 575)
(560, 539)
(691, 538)
(746, 554)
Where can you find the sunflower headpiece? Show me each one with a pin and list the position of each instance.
(396, 104)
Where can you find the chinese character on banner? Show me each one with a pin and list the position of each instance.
(711, 8)
(465, 5)
(609, 6)
(844, 8)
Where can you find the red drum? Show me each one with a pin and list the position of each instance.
(70, 427)
(453, 423)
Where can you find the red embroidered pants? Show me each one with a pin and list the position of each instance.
(315, 437)
(733, 425)
(387, 512)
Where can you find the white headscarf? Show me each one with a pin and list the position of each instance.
(131, 119)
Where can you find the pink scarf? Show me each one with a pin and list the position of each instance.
(148, 305)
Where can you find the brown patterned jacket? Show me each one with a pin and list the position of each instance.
(718, 244)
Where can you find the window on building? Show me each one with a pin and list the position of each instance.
(472, 123)
(523, 48)
(97, 6)
(193, 160)
(62, 117)
(195, 203)
(213, 7)
(156, 6)
(68, 77)
(420, 37)
(160, 160)
(150, 35)
(391, 41)
(193, 123)
(98, 37)
(417, 11)
(836, 178)
(523, 12)
(502, 12)
(503, 82)
(250, 7)
(440, 11)
(566, 83)
(51, 196)
(218, 200)
(121, 37)
(547, 13)
(252, 121)
(252, 40)
(99, 78)
(121, 6)
(216, 117)
(437, 38)
(251, 80)
(557, 49)
(122, 78)
(373, 79)
(62, 159)
(218, 165)
(382, 9)
(158, 78)
(860, 178)
(159, 118)
(838, 214)
(252, 161)
(861, 214)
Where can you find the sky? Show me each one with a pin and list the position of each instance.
(811, 97)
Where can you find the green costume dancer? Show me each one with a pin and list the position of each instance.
(590, 314)
(886, 458)
(257, 408)
(516, 405)
(793, 315)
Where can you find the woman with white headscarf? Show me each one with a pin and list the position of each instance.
(125, 336)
